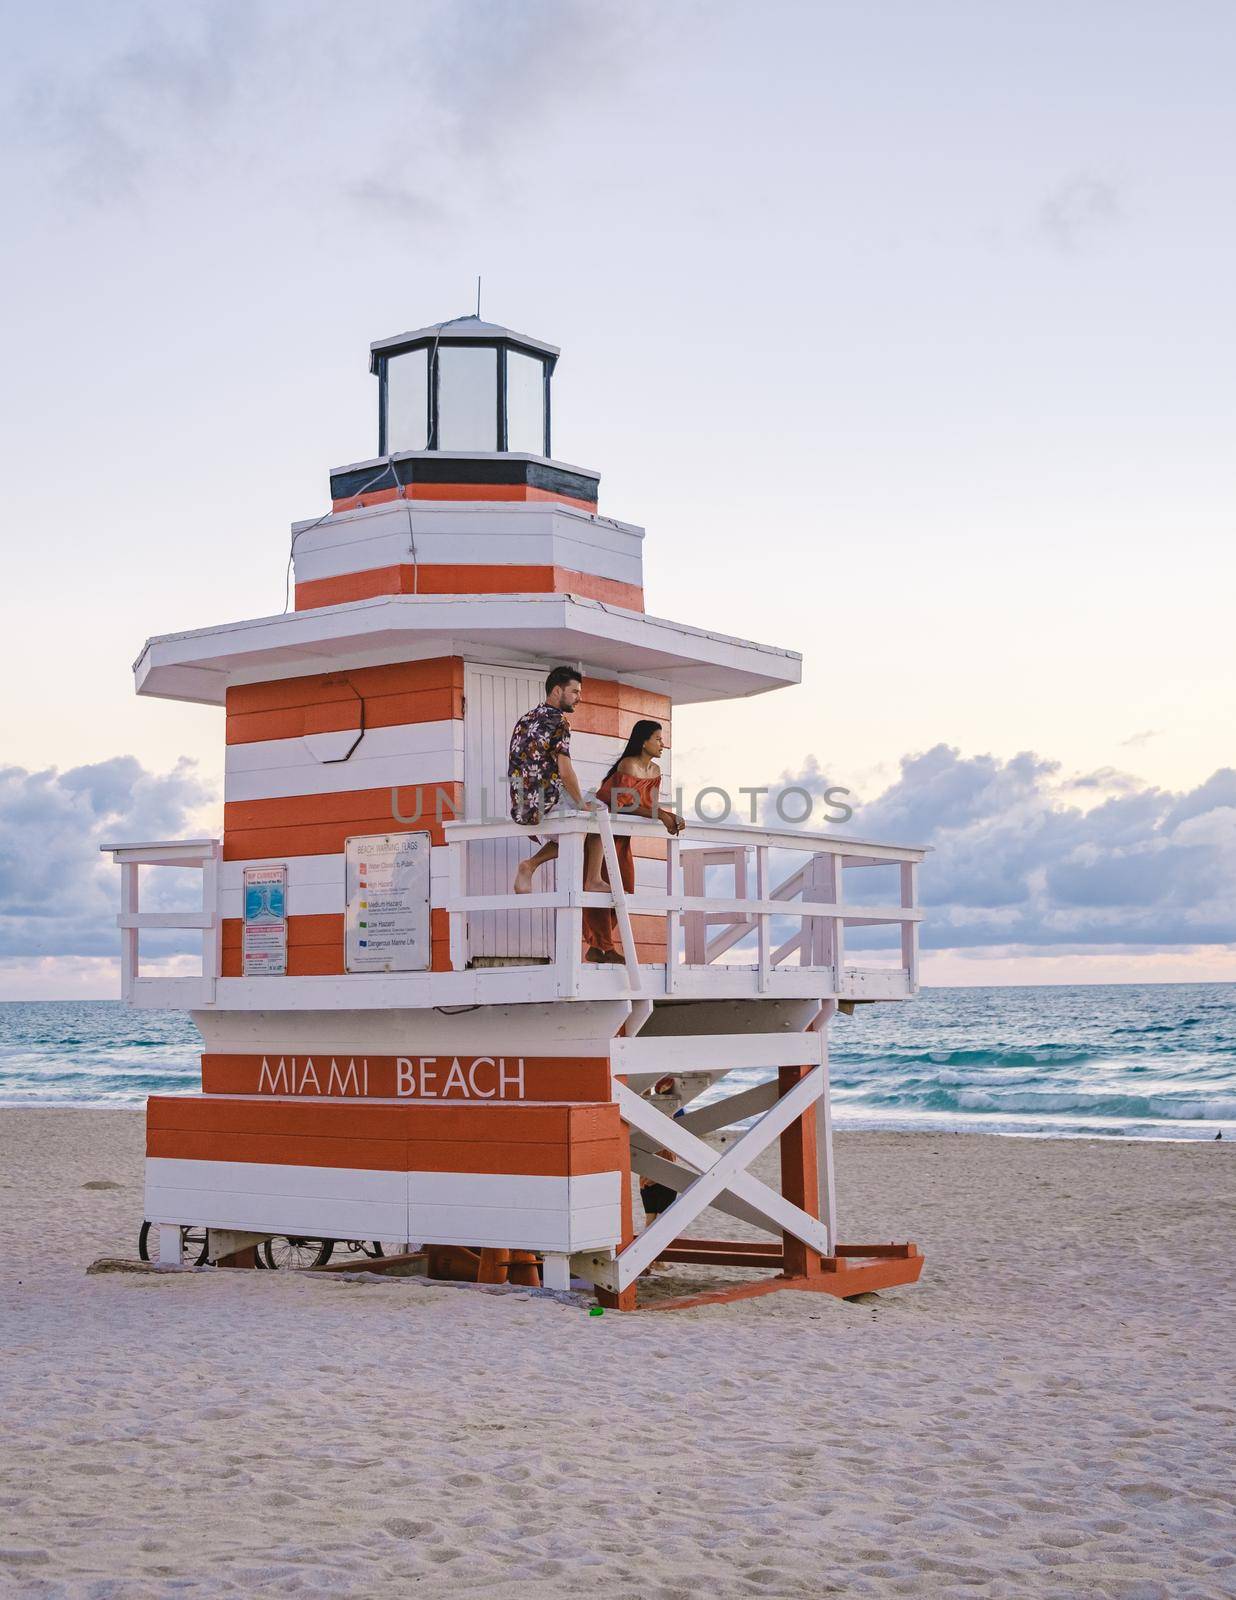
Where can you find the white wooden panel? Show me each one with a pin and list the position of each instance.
(465, 517)
(649, 875)
(494, 699)
(315, 883)
(436, 1207)
(272, 1177)
(595, 1225)
(556, 1272)
(404, 739)
(538, 535)
(513, 1228)
(272, 1213)
(595, 1189)
(438, 549)
(439, 761)
(714, 1052)
(582, 1030)
(484, 1190)
(303, 871)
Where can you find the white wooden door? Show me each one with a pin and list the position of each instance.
(494, 699)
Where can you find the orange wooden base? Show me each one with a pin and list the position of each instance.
(854, 1269)
(459, 1264)
(371, 1263)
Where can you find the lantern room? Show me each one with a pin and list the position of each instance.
(464, 386)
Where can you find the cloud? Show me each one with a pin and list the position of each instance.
(1141, 738)
(106, 111)
(1078, 209)
(58, 894)
(392, 109)
(1016, 862)
(395, 202)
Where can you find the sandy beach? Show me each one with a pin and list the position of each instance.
(1050, 1412)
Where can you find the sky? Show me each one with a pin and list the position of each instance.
(905, 330)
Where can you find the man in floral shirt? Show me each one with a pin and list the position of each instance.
(540, 765)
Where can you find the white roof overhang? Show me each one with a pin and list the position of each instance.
(693, 664)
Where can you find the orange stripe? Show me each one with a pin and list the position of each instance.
(501, 1138)
(406, 692)
(643, 702)
(316, 945)
(315, 688)
(486, 1120)
(612, 709)
(385, 1155)
(461, 491)
(314, 825)
(371, 1155)
(440, 578)
(544, 1077)
(350, 805)
(382, 711)
(359, 1119)
(410, 692)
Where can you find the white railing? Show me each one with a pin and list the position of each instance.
(812, 892)
(203, 854)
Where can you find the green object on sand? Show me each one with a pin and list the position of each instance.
(596, 1311)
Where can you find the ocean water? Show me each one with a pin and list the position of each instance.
(1147, 1061)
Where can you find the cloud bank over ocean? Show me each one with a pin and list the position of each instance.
(1023, 857)
(58, 895)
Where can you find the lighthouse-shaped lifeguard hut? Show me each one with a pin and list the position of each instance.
(397, 1047)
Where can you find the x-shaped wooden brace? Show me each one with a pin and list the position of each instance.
(718, 1174)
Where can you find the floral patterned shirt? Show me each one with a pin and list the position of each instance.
(537, 740)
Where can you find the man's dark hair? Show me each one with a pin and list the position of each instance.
(559, 677)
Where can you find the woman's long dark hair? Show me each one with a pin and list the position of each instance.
(640, 735)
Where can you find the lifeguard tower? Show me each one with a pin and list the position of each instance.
(396, 1045)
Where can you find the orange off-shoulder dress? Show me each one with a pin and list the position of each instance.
(621, 794)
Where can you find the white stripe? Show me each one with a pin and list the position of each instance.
(582, 1030)
(520, 1212)
(267, 1213)
(315, 883)
(471, 516)
(411, 752)
(269, 1177)
(480, 551)
(465, 535)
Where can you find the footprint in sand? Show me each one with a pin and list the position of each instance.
(1145, 1494)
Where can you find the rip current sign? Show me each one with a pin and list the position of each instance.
(386, 928)
(264, 937)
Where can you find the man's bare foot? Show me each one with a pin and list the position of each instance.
(523, 878)
(599, 886)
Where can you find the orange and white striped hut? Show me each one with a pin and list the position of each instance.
(397, 1047)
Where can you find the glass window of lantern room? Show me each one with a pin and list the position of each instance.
(525, 403)
(407, 402)
(467, 398)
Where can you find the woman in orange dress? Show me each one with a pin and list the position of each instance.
(629, 789)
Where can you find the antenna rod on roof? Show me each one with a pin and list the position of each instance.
(478, 297)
